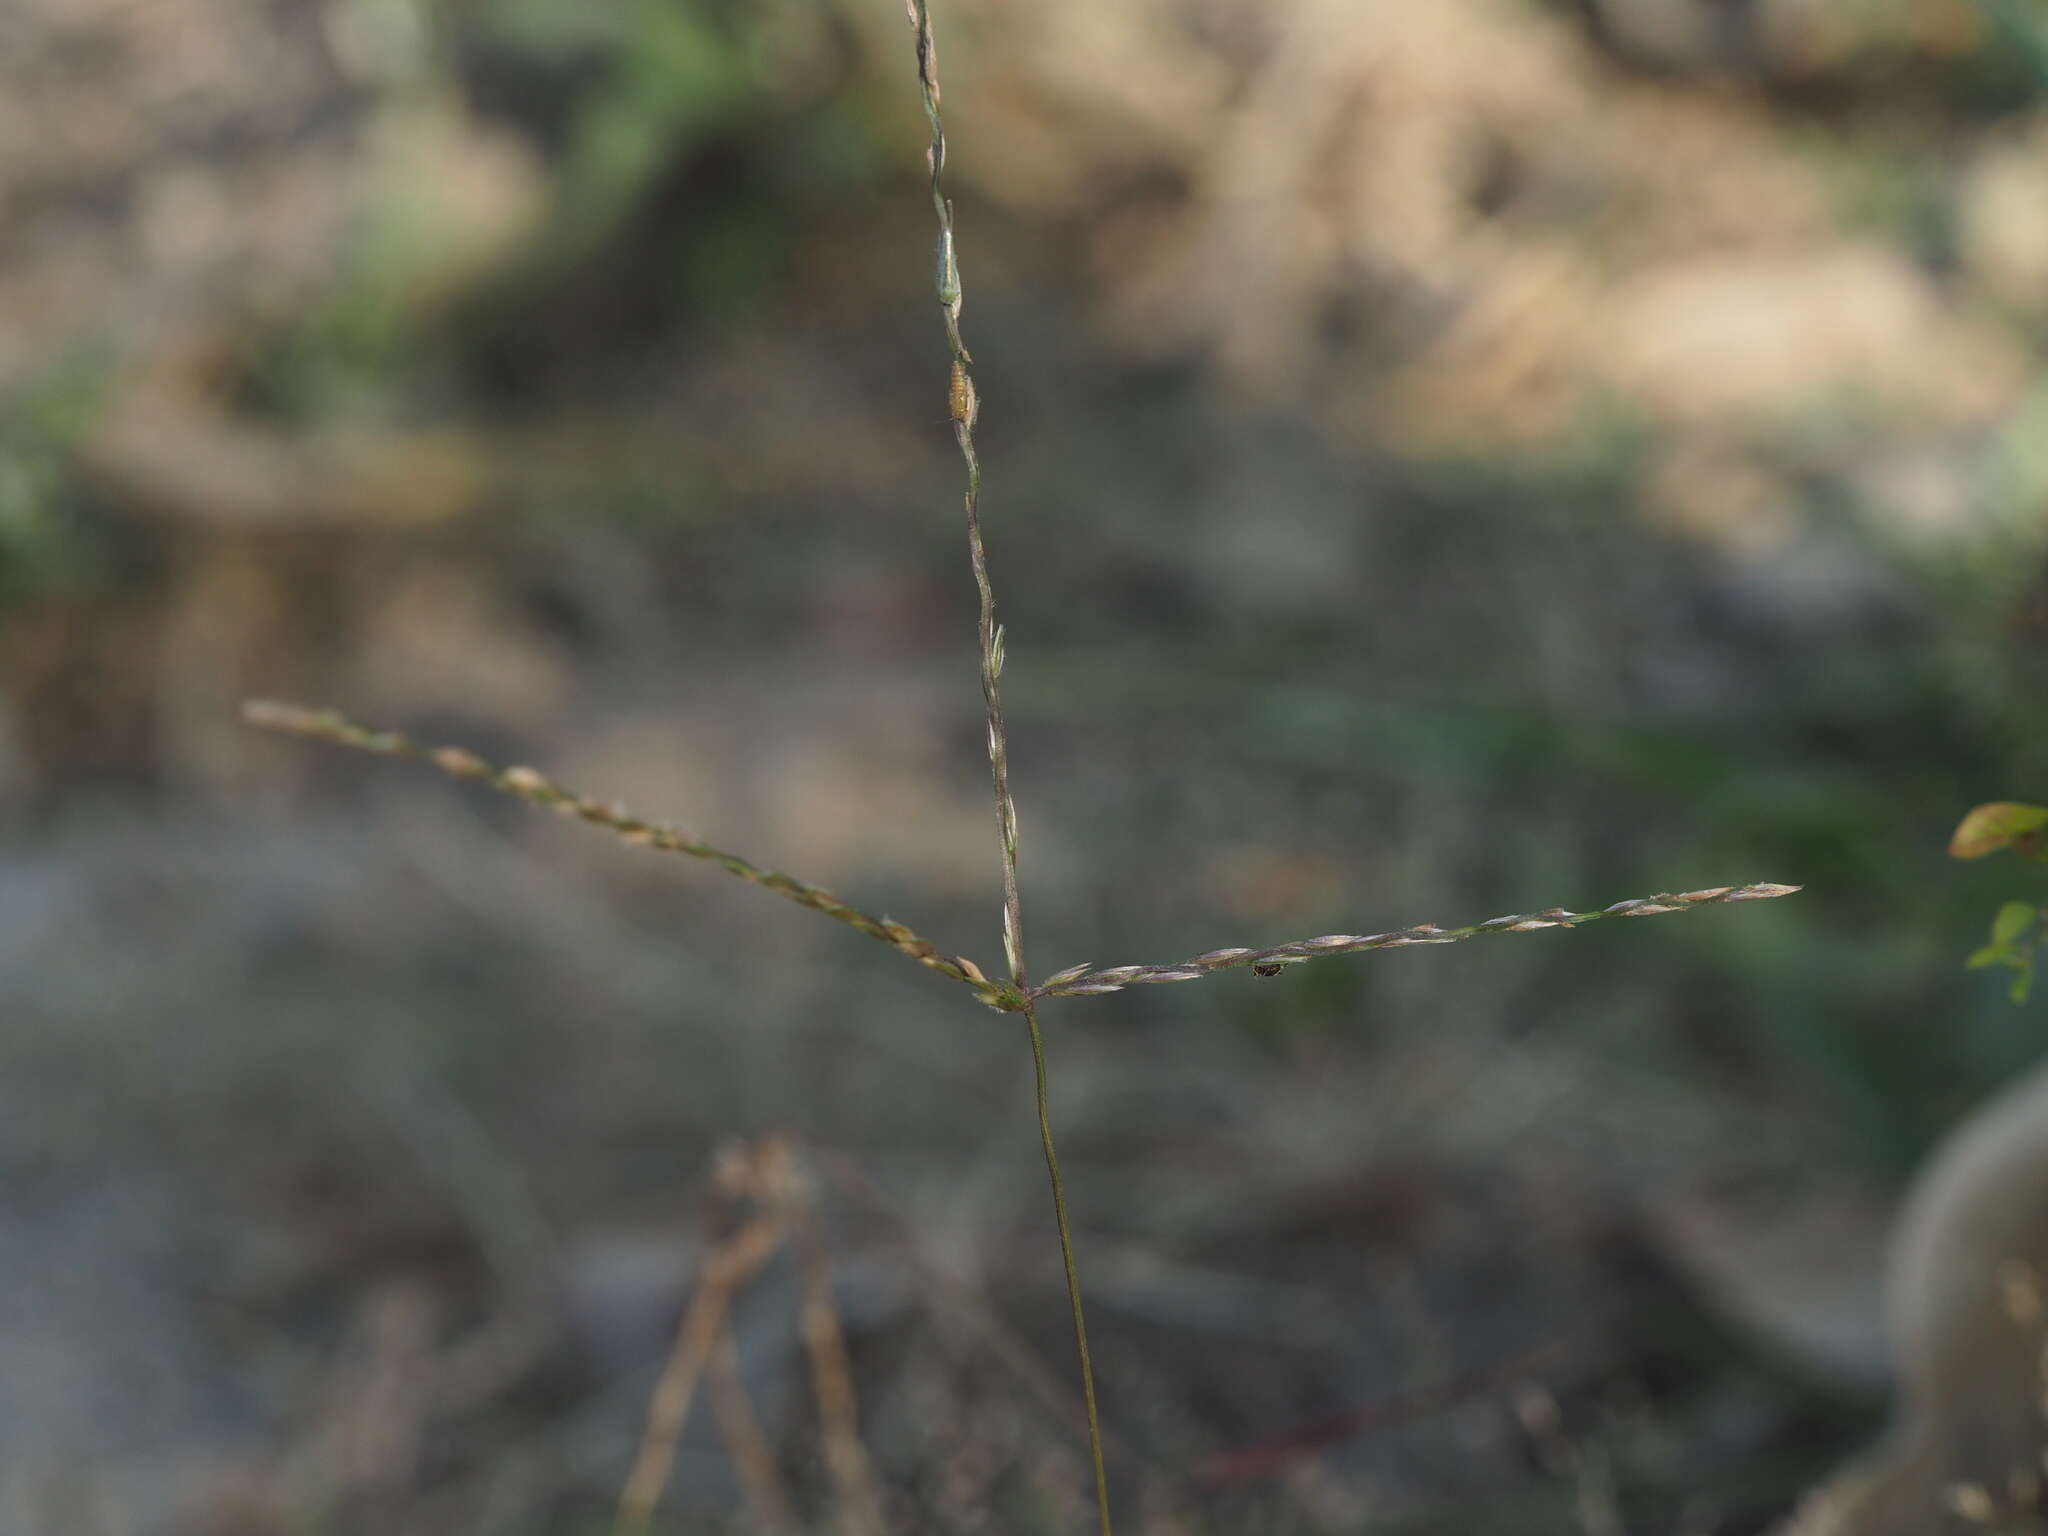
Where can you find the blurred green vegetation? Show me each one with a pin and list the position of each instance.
(48, 538)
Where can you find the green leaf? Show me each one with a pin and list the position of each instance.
(2014, 919)
(1990, 954)
(2001, 824)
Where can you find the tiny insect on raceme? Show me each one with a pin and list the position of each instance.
(1272, 968)
(961, 402)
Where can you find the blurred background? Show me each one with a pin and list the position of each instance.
(1440, 461)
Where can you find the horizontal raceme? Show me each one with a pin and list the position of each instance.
(1080, 981)
(531, 785)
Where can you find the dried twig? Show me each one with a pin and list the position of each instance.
(752, 1455)
(1277, 1453)
(860, 1512)
(730, 1267)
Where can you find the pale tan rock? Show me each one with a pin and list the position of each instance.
(1967, 1277)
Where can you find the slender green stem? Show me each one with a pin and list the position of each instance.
(1059, 1213)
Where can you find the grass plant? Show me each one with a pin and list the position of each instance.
(698, 1344)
